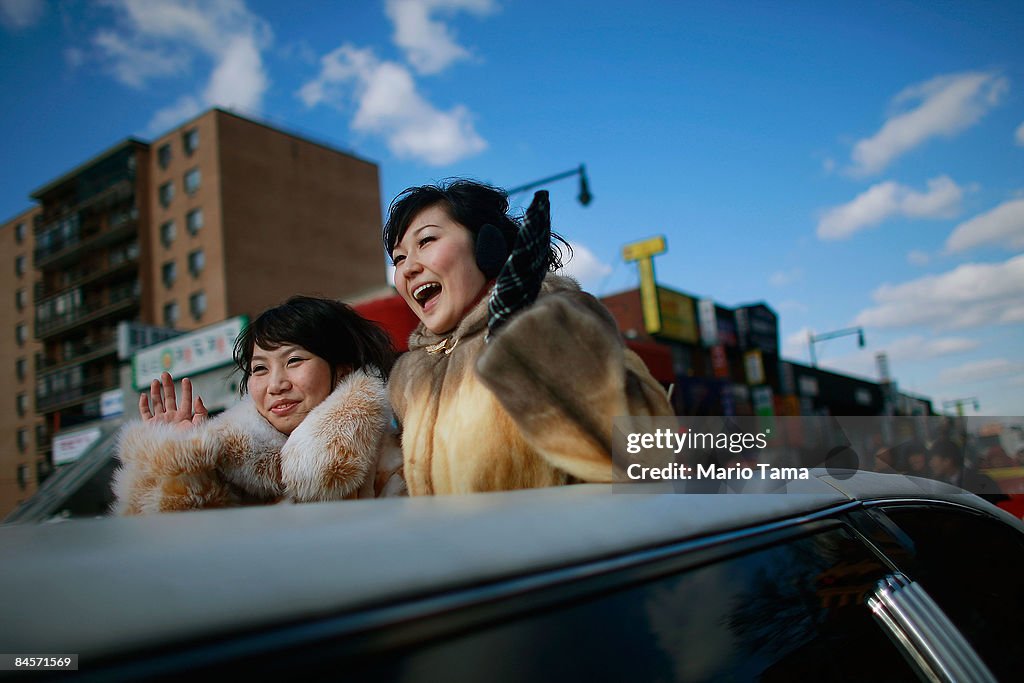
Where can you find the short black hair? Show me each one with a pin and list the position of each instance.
(468, 202)
(327, 328)
(946, 448)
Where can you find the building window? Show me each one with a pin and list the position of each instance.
(196, 262)
(21, 369)
(22, 403)
(19, 233)
(197, 304)
(167, 231)
(163, 155)
(171, 314)
(194, 220)
(21, 298)
(190, 140)
(170, 273)
(21, 334)
(166, 194)
(22, 477)
(40, 435)
(192, 181)
(22, 440)
(19, 265)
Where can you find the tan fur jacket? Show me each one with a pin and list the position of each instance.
(532, 407)
(345, 448)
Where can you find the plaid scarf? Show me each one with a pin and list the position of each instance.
(520, 278)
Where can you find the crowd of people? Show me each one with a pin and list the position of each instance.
(949, 458)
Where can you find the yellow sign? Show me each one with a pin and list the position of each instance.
(754, 364)
(649, 296)
(678, 317)
(644, 249)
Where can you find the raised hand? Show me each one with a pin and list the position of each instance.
(165, 408)
(520, 278)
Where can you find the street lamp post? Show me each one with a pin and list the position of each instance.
(584, 196)
(814, 338)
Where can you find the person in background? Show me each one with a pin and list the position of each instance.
(915, 459)
(315, 424)
(514, 375)
(946, 461)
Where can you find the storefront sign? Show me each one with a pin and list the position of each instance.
(678, 317)
(189, 354)
(719, 361)
(758, 328)
(708, 322)
(112, 403)
(754, 365)
(70, 447)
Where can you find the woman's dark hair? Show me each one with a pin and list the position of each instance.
(469, 203)
(327, 328)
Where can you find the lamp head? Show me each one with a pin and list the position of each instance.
(584, 197)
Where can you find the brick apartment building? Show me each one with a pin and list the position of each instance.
(20, 428)
(219, 217)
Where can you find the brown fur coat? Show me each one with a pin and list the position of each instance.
(345, 448)
(532, 407)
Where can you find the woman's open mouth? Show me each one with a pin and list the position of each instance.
(426, 294)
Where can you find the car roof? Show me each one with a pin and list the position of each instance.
(100, 587)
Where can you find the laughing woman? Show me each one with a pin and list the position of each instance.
(315, 425)
(514, 374)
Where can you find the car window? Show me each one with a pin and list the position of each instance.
(795, 611)
(971, 565)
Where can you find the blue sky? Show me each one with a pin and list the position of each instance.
(848, 163)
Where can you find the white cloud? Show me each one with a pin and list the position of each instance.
(889, 199)
(917, 257)
(134, 64)
(159, 39)
(1018, 135)
(929, 348)
(942, 106)
(587, 268)
(795, 345)
(899, 352)
(1002, 225)
(185, 108)
(428, 43)
(781, 278)
(239, 79)
(972, 294)
(981, 370)
(18, 14)
(388, 104)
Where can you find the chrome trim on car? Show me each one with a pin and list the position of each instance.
(923, 632)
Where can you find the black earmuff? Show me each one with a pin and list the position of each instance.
(491, 251)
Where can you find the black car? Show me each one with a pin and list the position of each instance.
(846, 577)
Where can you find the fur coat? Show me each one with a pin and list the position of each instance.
(345, 448)
(532, 407)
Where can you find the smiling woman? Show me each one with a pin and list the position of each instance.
(514, 375)
(315, 425)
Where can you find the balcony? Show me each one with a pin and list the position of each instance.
(60, 244)
(118, 302)
(80, 353)
(66, 398)
(115, 265)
